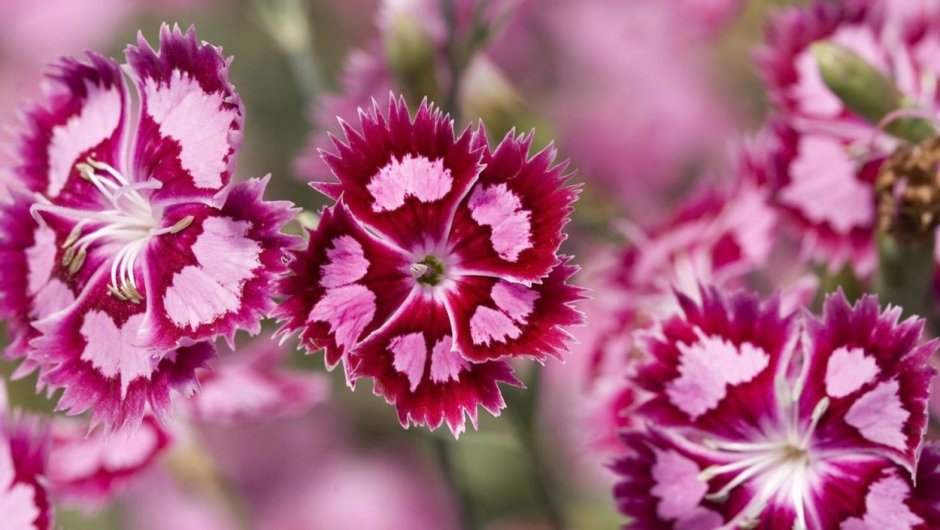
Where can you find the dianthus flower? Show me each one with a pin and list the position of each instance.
(139, 249)
(755, 419)
(437, 264)
(24, 499)
(827, 157)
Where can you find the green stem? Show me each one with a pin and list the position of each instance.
(543, 482)
(906, 273)
(451, 99)
(443, 451)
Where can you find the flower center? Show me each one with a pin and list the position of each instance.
(128, 220)
(780, 466)
(428, 271)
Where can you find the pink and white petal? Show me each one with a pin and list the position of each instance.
(782, 61)
(403, 177)
(17, 234)
(87, 470)
(253, 385)
(660, 486)
(497, 319)
(510, 225)
(191, 120)
(862, 493)
(343, 286)
(159, 501)
(715, 363)
(875, 375)
(81, 115)
(415, 366)
(93, 352)
(926, 497)
(24, 499)
(215, 277)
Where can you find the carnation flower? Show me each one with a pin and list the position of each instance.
(827, 157)
(753, 418)
(87, 470)
(437, 263)
(140, 249)
(24, 499)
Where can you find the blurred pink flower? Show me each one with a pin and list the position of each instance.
(38, 33)
(824, 158)
(24, 449)
(86, 469)
(158, 502)
(630, 93)
(383, 491)
(252, 384)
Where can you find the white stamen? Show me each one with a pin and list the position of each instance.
(418, 269)
(130, 221)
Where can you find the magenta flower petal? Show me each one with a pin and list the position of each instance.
(87, 470)
(91, 351)
(214, 277)
(404, 177)
(81, 115)
(24, 447)
(874, 376)
(510, 225)
(842, 235)
(717, 360)
(496, 318)
(344, 286)
(191, 118)
(29, 289)
(253, 385)
(928, 484)
(417, 366)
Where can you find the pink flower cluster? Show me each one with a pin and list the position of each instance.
(129, 250)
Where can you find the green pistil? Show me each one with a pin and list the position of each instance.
(429, 271)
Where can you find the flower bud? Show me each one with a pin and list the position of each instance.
(867, 91)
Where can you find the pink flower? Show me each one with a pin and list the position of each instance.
(24, 499)
(438, 262)
(753, 417)
(654, 110)
(87, 470)
(823, 157)
(252, 385)
(140, 249)
(158, 502)
(388, 490)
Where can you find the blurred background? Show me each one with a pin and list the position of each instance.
(645, 97)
